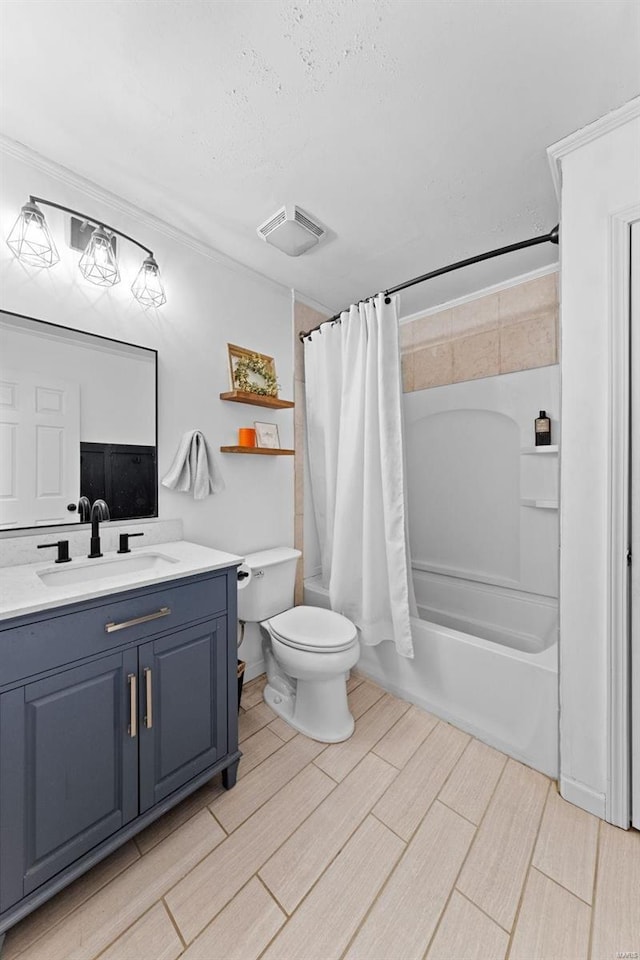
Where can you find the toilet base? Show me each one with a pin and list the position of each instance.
(306, 709)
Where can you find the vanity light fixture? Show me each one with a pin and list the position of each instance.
(31, 242)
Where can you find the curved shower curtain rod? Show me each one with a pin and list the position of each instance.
(551, 237)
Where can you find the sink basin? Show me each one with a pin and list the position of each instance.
(86, 572)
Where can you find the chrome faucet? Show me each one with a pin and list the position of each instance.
(99, 511)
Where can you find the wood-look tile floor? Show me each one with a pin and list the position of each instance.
(410, 840)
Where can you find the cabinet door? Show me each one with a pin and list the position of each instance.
(183, 706)
(73, 777)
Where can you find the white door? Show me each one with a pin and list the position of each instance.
(635, 524)
(39, 449)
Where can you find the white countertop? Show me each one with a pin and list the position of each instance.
(23, 592)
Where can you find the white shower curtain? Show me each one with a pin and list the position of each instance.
(354, 430)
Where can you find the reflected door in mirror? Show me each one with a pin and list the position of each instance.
(39, 449)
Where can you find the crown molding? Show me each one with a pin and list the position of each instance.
(599, 128)
(298, 297)
(20, 151)
(484, 292)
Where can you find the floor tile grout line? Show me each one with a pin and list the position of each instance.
(437, 796)
(337, 854)
(482, 911)
(82, 903)
(231, 832)
(108, 946)
(594, 890)
(370, 750)
(516, 917)
(273, 896)
(263, 863)
(408, 842)
(373, 749)
(173, 921)
(94, 894)
(454, 885)
(453, 810)
(534, 866)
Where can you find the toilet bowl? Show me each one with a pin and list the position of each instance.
(308, 651)
(316, 648)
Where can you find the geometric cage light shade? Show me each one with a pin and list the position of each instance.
(147, 287)
(98, 263)
(31, 242)
(30, 239)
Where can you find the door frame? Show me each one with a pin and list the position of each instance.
(618, 795)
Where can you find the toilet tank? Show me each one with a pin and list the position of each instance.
(270, 588)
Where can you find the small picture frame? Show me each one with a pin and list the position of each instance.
(252, 372)
(267, 435)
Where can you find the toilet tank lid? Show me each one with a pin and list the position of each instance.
(266, 558)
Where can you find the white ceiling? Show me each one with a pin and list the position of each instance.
(416, 131)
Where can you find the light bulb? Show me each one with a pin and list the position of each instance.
(98, 263)
(30, 240)
(147, 287)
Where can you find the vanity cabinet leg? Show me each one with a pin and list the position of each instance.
(229, 775)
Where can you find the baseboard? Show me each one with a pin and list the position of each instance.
(582, 796)
(253, 670)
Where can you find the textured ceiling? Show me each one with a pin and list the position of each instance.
(416, 131)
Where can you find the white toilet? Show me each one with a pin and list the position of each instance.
(308, 651)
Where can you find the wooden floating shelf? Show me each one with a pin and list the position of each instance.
(255, 400)
(261, 451)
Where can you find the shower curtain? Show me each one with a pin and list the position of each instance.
(354, 432)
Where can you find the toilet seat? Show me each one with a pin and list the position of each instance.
(313, 629)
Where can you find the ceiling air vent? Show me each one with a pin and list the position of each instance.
(291, 230)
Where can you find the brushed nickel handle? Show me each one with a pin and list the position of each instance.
(148, 717)
(133, 705)
(162, 612)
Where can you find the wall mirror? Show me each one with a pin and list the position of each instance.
(78, 423)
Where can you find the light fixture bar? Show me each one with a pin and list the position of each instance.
(98, 223)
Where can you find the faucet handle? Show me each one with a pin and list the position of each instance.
(63, 550)
(124, 541)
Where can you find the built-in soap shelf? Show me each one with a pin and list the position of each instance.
(540, 504)
(550, 448)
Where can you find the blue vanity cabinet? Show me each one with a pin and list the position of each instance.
(74, 778)
(111, 711)
(184, 708)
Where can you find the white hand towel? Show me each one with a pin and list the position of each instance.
(193, 468)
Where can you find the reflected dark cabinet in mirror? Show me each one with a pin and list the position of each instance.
(122, 474)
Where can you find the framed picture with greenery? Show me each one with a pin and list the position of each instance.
(252, 372)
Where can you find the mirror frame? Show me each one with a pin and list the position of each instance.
(9, 531)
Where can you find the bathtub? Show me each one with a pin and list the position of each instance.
(486, 660)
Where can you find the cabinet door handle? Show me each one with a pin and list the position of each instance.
(133, 705)
(162, 612)
(148, 717)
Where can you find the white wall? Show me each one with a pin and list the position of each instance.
(209, 302)
(117, 392)
(600, 177)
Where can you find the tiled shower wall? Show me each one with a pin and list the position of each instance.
(515, 328)
(512, 329)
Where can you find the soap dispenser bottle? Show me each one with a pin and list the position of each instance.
(543, 430)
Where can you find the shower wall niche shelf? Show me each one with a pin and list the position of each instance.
(261, 451)
(540, 504)
(255, 400)
(549, 448)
